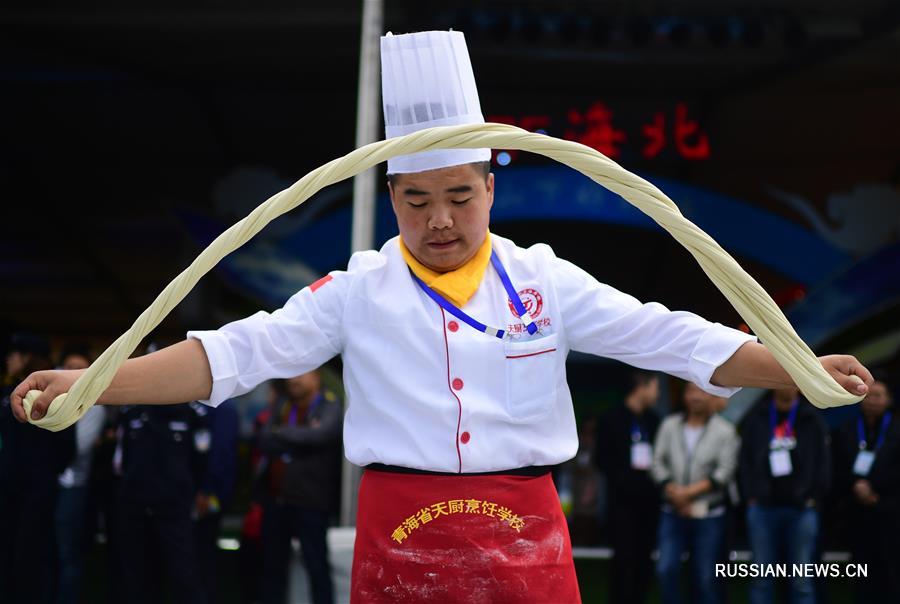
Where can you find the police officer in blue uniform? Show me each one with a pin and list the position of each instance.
(161, 454)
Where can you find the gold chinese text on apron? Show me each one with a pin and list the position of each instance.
(456, 506)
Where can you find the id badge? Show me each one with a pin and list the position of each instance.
(780, 462)
(863, 463)
(641, 456)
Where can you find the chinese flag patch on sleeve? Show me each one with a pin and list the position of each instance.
(313, 287)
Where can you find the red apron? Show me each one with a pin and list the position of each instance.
(472, 539)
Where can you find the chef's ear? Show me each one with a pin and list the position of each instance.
(390, 184)
(489, 185)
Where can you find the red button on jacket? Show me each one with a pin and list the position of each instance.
(457, 384)
(464, 437)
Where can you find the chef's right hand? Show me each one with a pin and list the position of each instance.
(51, 383)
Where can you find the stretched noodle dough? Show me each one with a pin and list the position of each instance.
(745, 294)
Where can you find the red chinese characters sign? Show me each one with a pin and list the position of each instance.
(663, 134)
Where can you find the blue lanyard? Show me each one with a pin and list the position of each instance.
(459, 314)
(882, 431)
(637, 435)
(792, 417)
(313, 406)
(513, 295)
(292, 416)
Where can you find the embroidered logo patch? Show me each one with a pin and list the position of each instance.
(532, 300)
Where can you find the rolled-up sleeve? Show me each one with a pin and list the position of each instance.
(599, 319)
(295, 339)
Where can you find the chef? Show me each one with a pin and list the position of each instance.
(454, 342)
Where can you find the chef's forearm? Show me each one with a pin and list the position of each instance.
(177, 374)
(751, 366)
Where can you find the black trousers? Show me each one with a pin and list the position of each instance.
(632, 536)
(281, 521)
(206, 533)
(26, 542)
(156, 542)
(875, 535)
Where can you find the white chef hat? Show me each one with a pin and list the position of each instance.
(426, 81)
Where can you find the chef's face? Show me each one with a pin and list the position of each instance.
(443, 214)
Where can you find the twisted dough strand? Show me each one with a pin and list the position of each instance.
(745, 294)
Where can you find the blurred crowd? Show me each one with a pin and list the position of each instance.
(671, 497)
(694, 487)
(153, 483)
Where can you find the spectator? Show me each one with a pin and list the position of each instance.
(102, 502)
(31, 459)
(625, 455)
(216, 488)
(785, 472)
(695, 457)
(160, 464)
(588, 488)
(302, 444)
(867, 475)
(71, 508)
(251, 552)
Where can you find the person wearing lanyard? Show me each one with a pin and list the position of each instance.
(302, 470)
(456, 408)
(695, 457)
(624, 454)
(867, 480)
(785, 472)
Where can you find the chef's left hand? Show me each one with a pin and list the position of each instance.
(848, 372)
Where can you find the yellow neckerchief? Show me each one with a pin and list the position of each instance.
(459, 285)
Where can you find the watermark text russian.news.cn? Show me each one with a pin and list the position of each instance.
(832, 570)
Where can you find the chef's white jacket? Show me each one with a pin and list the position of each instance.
(427, 391)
